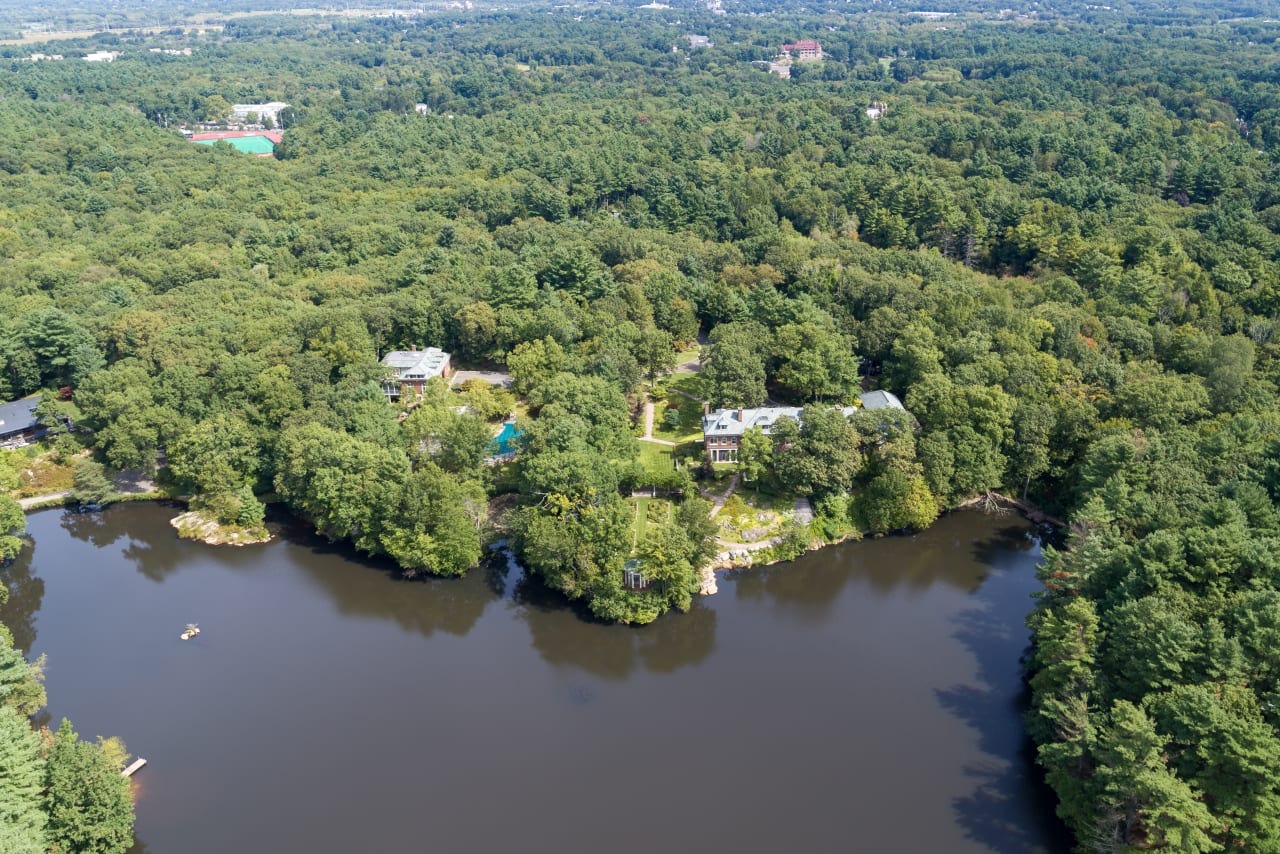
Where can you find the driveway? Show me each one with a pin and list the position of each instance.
(497, 378)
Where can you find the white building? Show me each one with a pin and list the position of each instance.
(102, 56)
(412, 368)
(270, 110)
(722, 430)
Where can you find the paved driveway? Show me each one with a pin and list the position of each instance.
(497, 378)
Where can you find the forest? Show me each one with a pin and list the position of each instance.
(1056, 238)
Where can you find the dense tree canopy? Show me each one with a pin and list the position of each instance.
(1056, 236)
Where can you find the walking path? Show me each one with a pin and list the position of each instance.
(128, 482)
(684, 394)
(719, 502)
(28, 503)
(803, 511)
(648, 427)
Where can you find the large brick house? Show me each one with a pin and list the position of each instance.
(722, 430)
(805, 51)
(412, 368)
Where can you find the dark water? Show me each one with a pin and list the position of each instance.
(865, 698)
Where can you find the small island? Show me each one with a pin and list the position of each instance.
(203, 526)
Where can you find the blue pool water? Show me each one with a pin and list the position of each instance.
(505, 442)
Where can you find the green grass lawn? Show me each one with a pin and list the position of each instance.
(642, 509)
(690, 355)
(720, 481)
(690, 419)
(657, 458)
(687, 383)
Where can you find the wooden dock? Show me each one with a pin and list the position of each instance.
(133, 769)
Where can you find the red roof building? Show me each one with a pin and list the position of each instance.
(808, 51)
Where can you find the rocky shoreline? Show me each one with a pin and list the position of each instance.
(194, 525)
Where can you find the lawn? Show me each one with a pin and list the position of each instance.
(647, 511)
(657, 458)
(687, 356)
(719, 482)
(690, 419)
(690, 384)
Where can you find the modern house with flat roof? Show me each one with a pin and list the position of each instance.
(18, 422)
(722, 430)
(412, 368)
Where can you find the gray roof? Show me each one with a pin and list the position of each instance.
(881, 400)
(735, 422)
(417, 364)
(19, 416)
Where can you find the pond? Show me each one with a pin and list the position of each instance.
(866, 697)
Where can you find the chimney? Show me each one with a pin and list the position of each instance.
(706, 409)
(739, 414)
(413, 348)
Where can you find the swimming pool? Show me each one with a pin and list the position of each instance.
(505, 442)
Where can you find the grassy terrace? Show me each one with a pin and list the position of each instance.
(666, 398)
(647, 511)
(657, 458)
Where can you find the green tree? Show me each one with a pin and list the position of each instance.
(340, 483)
(733, 370)
(90, 484)
(432, 524)
(755, 453)
(487, 401)
(88, 801)
(657, 353)
(12, 523)
(216, 109)
(217, 455)
(896, 498)
(64, 350)
(1144, 804)
(815, 363)
(22, 778)
(534, 362)
(477, 329)
(21, 682)
(820, 456)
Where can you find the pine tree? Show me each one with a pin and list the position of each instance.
(22, 822)
(88, 801)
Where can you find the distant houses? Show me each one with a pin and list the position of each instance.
(800, 51)
(103, 56)
(412, 369)
(805, 51)
(271, 110)
(696, 41)
(722, 430)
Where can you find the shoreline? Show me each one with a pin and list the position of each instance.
(741, 558)
(730, 560)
